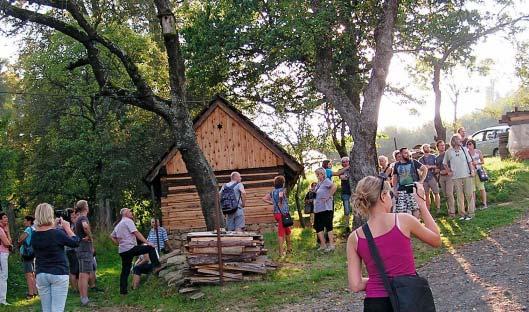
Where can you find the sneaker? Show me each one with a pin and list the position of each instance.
(5, 303)
(85, 301)
(468, 218)
(485, 206)
(321, 248)
(462, 218)
(330, 248)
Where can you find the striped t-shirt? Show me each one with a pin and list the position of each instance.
(162, 237)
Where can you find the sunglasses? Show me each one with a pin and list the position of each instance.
(384, 177)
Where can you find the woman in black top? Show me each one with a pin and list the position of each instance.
(48, 243)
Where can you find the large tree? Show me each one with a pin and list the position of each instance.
(84, 21)
(442, 35)
(342, 49)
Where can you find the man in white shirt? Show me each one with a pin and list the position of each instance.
(126, 236)
(458, 164)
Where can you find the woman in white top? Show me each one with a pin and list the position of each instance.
(477, 161)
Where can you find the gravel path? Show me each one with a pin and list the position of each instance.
(488, 275)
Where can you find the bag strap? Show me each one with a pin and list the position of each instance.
(380, 265)
(466, 158)
(233, 186)
(279, 201)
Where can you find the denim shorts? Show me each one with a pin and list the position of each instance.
(235, 220)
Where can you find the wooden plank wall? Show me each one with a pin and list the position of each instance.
(229, 148)
(181, 207)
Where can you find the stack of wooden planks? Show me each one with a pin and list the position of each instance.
(243, 255)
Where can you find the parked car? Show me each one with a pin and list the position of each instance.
(487, 140)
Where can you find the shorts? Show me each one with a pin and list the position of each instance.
(405, 203)
(28, 265)
(323, 220)
(144, 268)
(281, 230)
(86, 262)
(346, 199)
(73, 262)
(235, 220)
(382, 304)
(431, 185)
(478, 185)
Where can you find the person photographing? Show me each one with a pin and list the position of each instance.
(391, 234)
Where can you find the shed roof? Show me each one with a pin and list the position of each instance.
(218, 100)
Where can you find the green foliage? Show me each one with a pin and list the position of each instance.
(74, 143)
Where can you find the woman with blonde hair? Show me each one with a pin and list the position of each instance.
(49, 239)
(392, 233)
(323, 210)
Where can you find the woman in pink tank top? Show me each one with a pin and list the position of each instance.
(391, 233)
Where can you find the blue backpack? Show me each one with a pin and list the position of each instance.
(229, 203)
(26, 251)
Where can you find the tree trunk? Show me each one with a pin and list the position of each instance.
(197, 166)
(13, 228)
(298, 203)
(456, 102)
(440, 129)
(339, 144)
(363, 121)
(103, 215)
(180, 120)
(175, 112)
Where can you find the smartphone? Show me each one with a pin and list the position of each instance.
(410, 188)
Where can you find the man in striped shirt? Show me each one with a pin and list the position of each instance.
(159, 240)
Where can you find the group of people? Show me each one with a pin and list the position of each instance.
(57, 251)
(319, 201)
(395, 200)
(44, 246)
(452, 170)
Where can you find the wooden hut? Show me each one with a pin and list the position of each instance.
(230, 142)
(518, 139)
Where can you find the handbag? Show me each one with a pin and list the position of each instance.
(482, 174)
(286, 219)
(407, 293)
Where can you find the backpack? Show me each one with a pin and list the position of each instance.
(229, 203)
(26, 251)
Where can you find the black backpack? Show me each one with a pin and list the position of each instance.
(229, 203)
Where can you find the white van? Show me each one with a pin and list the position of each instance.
(487, 140)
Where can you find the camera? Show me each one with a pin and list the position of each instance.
(409, 188)
(65, 214)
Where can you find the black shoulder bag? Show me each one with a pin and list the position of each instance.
(286, 219)
(407, 293)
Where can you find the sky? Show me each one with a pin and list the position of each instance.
(502, 74)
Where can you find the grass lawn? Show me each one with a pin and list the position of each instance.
(302, 274)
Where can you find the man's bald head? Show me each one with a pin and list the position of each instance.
(235, 176)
